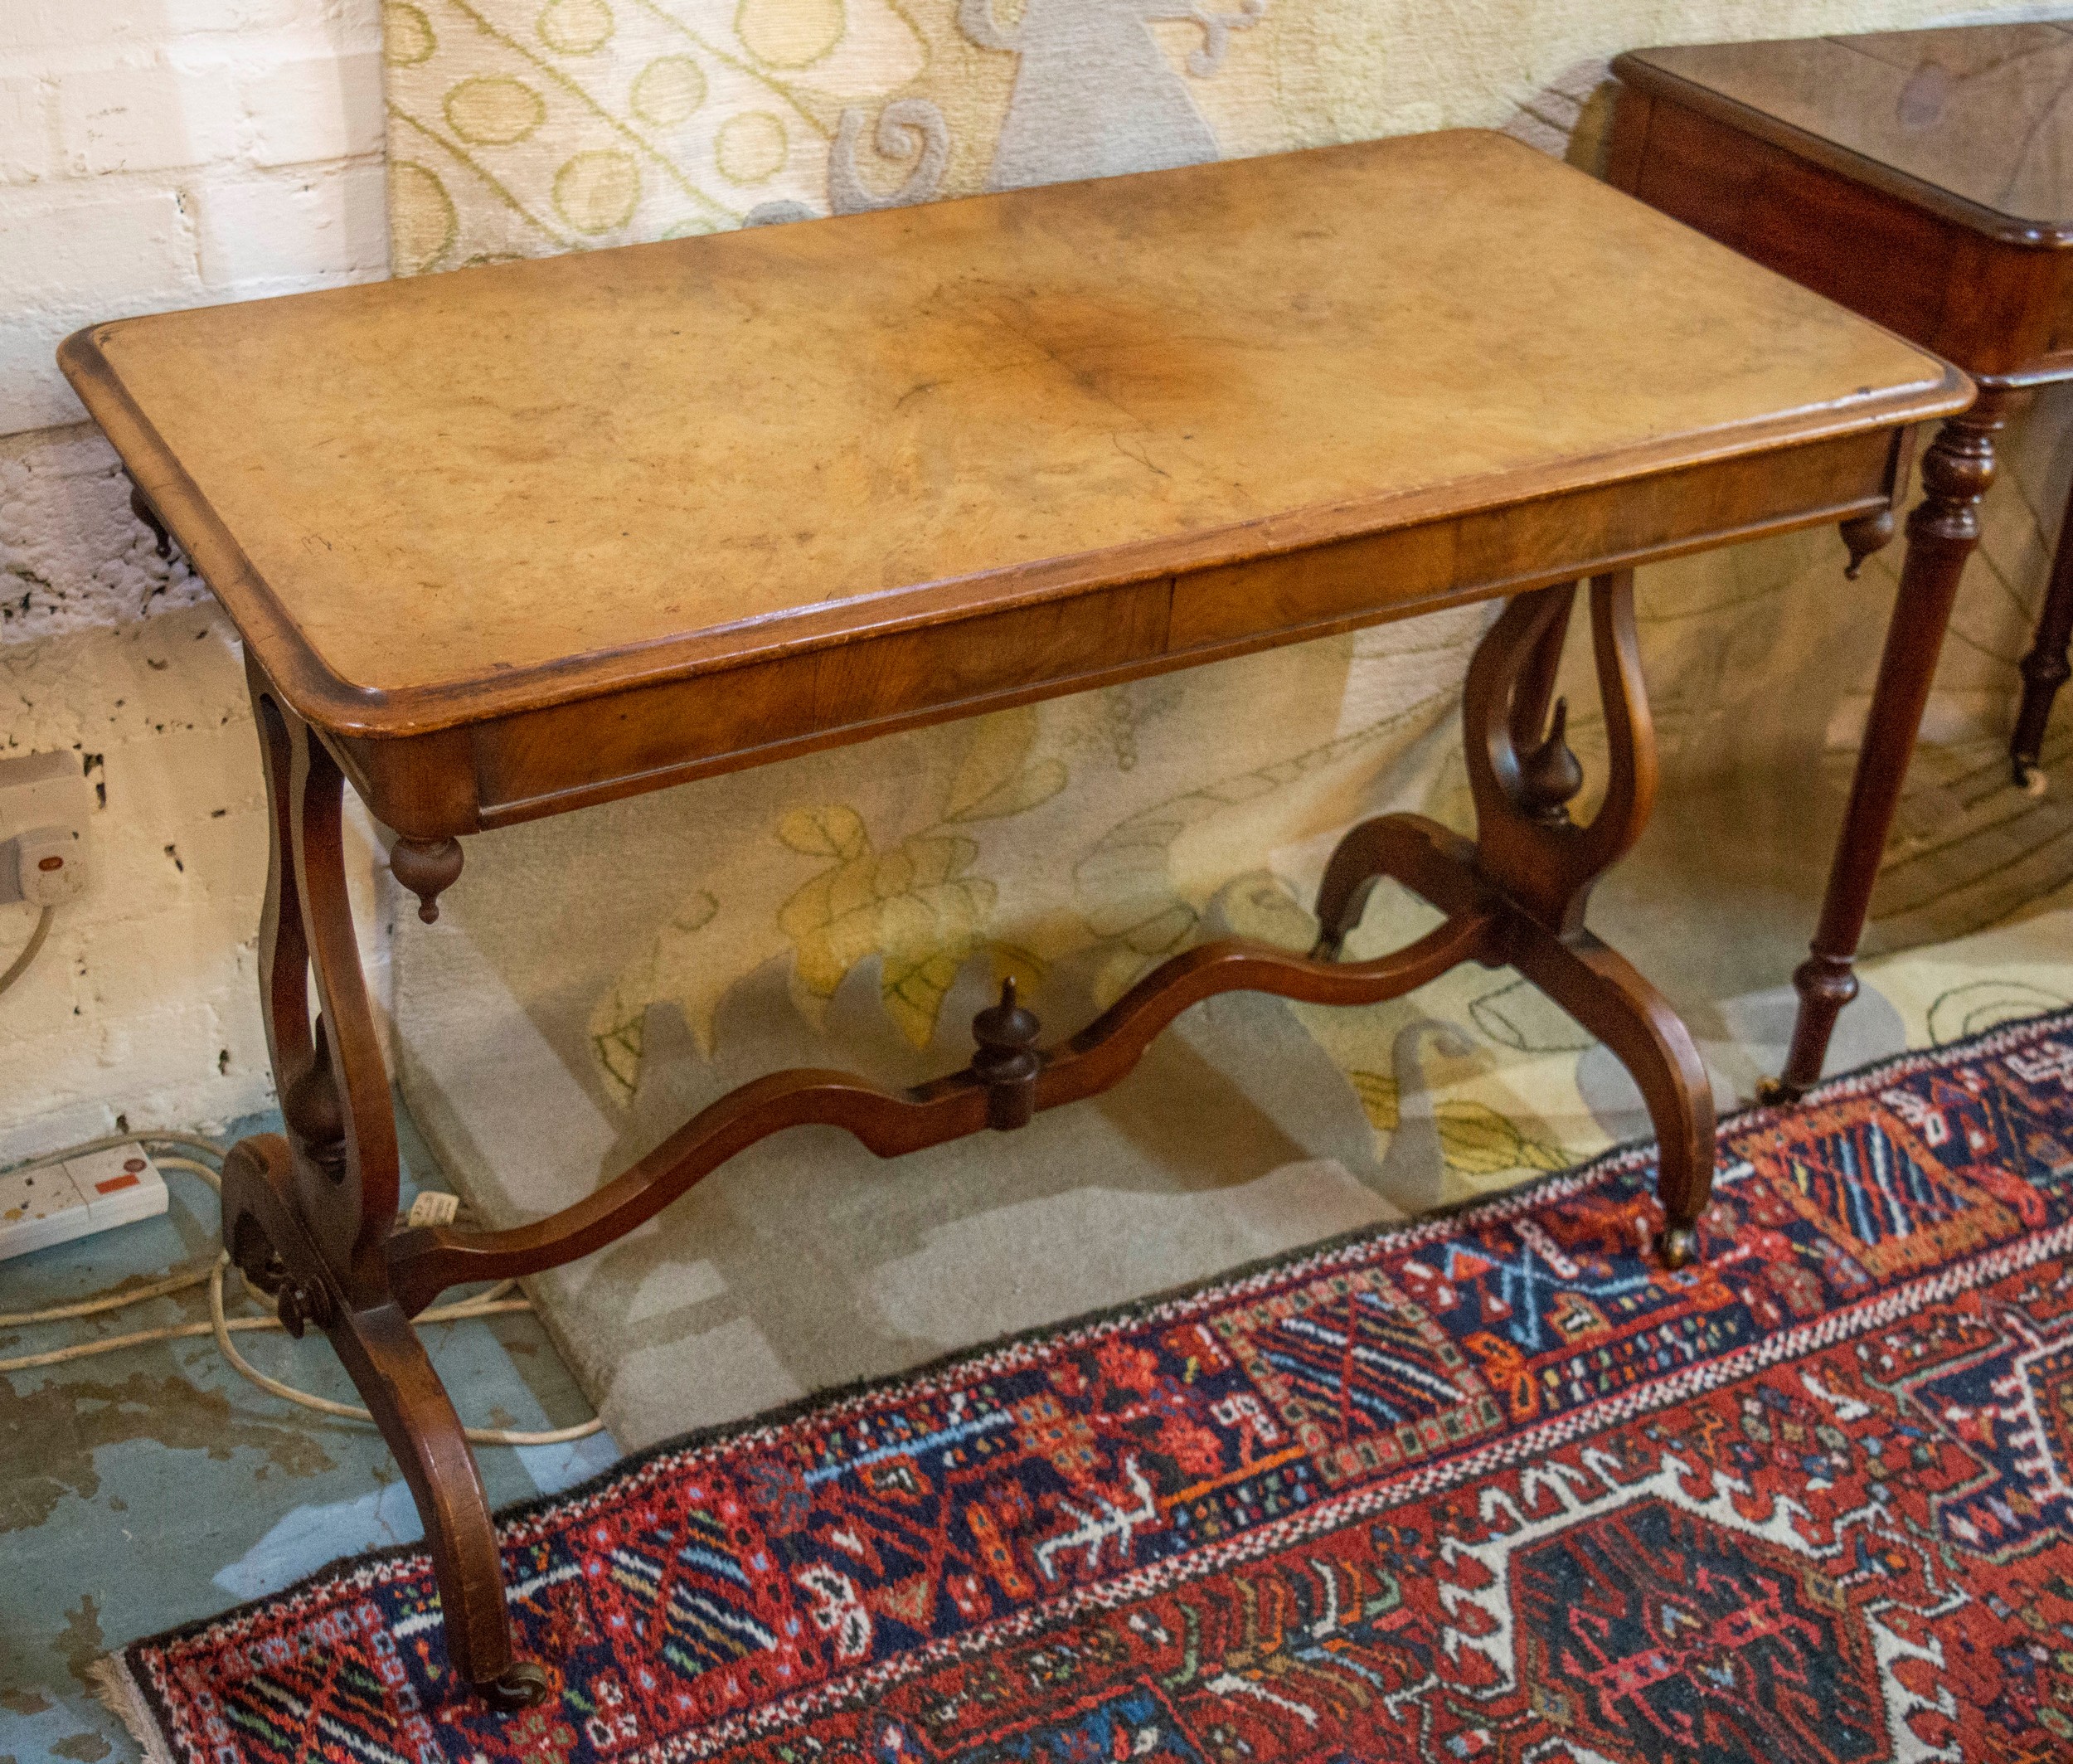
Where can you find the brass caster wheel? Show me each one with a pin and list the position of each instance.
(522, 1685)
(1679, 1245)
(1775, 1093)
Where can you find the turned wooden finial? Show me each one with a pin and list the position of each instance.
(312, 1109)
(1008, 1061)
(148, 515)
(428, 868)
(1549, 774)
(1867, 534)
(310, 1106)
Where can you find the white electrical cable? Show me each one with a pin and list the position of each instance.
(490, 1303)
(20, 965)
(109, 1141)
(184, 1331)
(349, 1411)
(207, 1172)
(111, 1301)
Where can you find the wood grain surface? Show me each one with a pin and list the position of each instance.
(432, 503)
(1968, 121)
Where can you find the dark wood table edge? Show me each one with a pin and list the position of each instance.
(1635, 70)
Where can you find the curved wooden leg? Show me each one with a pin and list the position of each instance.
(1603, 991)
(388, 1367)
(1434, 861)
(410, 1406)
(2045, 668)
(1534, 869)
(1941, 532)
(308, 1217)
(1522, 780)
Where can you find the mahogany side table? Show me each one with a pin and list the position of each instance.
(507, 541)
(1923, 178)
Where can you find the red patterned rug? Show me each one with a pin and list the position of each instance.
(1493, 1487)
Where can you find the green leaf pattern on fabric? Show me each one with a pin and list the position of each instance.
(1473, 1138)
(916, 907)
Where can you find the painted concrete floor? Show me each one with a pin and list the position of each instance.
(151, 1486)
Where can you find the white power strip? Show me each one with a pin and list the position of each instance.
(76, 1199)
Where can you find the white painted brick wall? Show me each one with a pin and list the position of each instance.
(25, 141)
(174, 154)
(264, 236)
(144, 1002)
(313, 107)
(151, 157)
(146, 117)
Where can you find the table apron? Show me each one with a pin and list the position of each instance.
(524, 764)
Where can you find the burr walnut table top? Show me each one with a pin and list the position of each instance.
(1967, 121)
(914, 462)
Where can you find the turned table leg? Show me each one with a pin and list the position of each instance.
(2045, 668)
(1942, 531)
(307, 1218)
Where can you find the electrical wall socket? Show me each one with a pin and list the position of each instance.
(49, 865)
(74, 1199)
(44, 804)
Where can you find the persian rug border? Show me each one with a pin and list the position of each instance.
(1329, 1514)
(126, 1683)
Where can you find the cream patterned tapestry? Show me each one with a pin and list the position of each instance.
(596, 977)
(554, 124)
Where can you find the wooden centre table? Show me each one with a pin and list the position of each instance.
(507, 542)
(1923, 178)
